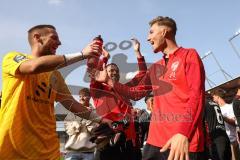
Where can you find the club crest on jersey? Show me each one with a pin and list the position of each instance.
(174, 67)
(19, 58)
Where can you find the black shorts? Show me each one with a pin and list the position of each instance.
(151, 152)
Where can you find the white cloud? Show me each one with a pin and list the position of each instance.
(55, 2)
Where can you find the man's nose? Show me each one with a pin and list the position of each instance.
(148, 38)
(59, 42)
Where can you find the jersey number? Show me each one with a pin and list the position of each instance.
(219, 115)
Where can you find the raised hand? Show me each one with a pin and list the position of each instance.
(136, 47)
(105, 53)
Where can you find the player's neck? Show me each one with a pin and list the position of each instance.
(221, 103)
(171, 48)
(36, 52)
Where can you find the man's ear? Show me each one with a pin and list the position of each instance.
(37, 38)
(166, 33)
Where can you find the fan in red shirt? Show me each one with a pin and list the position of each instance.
(115, 107)
(177, 81)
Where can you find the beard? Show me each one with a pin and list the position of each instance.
(115, 78)
(160, 47)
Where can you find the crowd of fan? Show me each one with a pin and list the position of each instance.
(220, 124)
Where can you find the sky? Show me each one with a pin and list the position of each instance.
(204, 25)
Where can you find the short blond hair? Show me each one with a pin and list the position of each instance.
(165, 21)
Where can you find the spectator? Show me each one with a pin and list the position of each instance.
(117, 108)
(236, 109)
(136, 113)
(217, 142)
(145, 121)
(229, 119)
(78, 145)
(236, 106)
(142, 120)
(149, 101)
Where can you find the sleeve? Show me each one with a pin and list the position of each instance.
(59, 87)
(101, 62)
(12, 61)
(96, 89)
(70, 117)
(137, 92)
(142, 67)
(195, 76)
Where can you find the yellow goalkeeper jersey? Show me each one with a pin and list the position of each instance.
(27, 120)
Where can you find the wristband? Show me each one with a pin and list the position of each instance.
(65, 60)
(73, 56)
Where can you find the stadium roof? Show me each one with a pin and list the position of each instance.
(230, 87)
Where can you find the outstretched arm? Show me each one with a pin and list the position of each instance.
(143, 88)
(82, 111)
(64, 96)
(52, 62)
(138, 87)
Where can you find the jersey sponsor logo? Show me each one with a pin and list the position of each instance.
(43, 89)
(19, 58)
(219, 115)
(174, 67)
(39, 100)
(42, 94)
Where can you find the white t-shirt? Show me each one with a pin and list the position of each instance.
(227, 111)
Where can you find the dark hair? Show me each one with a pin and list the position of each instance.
(41, 26)
(165, 21)
(147, 97)
(37, 28)
(112, 64)
(219, 92)
(85, 91)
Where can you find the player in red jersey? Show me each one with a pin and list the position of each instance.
(177, 81)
